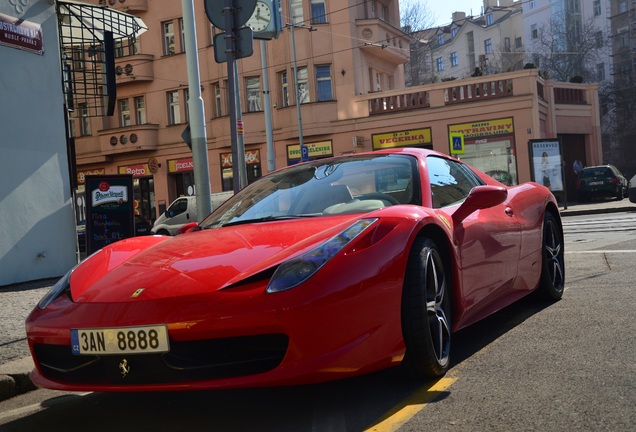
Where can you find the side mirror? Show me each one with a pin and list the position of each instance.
(480, 197)
(191, 226)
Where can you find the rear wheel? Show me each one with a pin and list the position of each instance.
(553, 264)
(426, 320)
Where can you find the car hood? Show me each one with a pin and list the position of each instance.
(196, 262)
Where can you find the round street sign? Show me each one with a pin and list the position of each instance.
(215, 10)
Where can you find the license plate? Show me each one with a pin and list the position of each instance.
(120, 340)
(595, 183)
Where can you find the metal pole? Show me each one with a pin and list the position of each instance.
(240, 145)
(271, 156)
(229, 51)
(303, 152)
(196, 114)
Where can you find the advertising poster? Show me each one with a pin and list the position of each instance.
(109, 210)
(547, 163)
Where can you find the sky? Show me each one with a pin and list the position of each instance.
(442, 10)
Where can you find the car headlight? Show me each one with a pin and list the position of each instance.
(294, 272)
(62, 285)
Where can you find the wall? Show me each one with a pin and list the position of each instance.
(37, 235)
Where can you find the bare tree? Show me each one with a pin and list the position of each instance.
(416, 20)
(568, 47)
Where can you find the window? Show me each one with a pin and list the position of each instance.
(451, 181)
(318, 12)
(323, 83)
(600, 72)
(599, 39)
(518, 42)
(186, 97)
(183, 42)
(213, 32)
(454, 32)
(440, 39)
(507, 44)
(489, 19)
(488, 46)
(218, 112)
(124, 113)
(297, 11)
(534, 31)
(174, 113)
(622, 6)
(384, 12)
(573, 6)
(284, 89)
(303, 86)
(140, 110)
(440, 64)
(532, 4)
(253, 94)
(453, 59)
(372, 9)
(168, 38)
(85, 122)
(597, 7)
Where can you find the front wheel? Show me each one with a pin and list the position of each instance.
(553, 265)
(426, 312)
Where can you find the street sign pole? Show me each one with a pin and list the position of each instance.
(196, 112)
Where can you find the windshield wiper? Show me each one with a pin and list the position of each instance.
(264, 219)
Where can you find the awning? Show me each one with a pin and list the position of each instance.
(78, 20)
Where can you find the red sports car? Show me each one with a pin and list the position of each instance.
(318, 271)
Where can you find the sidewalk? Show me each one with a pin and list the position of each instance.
(14, 375)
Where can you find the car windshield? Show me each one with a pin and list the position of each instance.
(351, 184)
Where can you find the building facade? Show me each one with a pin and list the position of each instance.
(350, 78)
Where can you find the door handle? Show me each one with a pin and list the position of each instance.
(509, 212)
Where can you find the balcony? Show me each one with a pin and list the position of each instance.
(383, 40)
(134, 68)
(128, 139)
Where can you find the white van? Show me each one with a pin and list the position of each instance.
(183, 210)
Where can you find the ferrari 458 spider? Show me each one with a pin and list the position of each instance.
(318, 271)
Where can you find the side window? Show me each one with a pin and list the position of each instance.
(451, 181)
(178, 207)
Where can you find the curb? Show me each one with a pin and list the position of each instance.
(14, 378)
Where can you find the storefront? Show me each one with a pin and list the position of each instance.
(181, 176)
(143, 187)
(252, 165)
(490, 147)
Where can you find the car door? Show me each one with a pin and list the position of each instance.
(488, 240)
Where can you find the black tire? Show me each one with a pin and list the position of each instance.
(379, 196)
(619, 194)
(552, 281)
(426, 312)
(163, 232)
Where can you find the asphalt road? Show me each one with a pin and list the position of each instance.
(569, 365)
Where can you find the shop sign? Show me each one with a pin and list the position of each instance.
(20, 34)
(415, 137)
(81, 175)
(315, 149)
(109, 210)
(153, 165)
(252, 157)
(140, 170)
(180, 165)
(503, 126)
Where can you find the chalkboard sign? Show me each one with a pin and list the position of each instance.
(109, 210)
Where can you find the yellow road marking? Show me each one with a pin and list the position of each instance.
(410, 406)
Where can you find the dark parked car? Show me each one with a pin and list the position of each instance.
(632, 189)
(601, 181)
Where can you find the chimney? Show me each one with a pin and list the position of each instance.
(459, 16)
